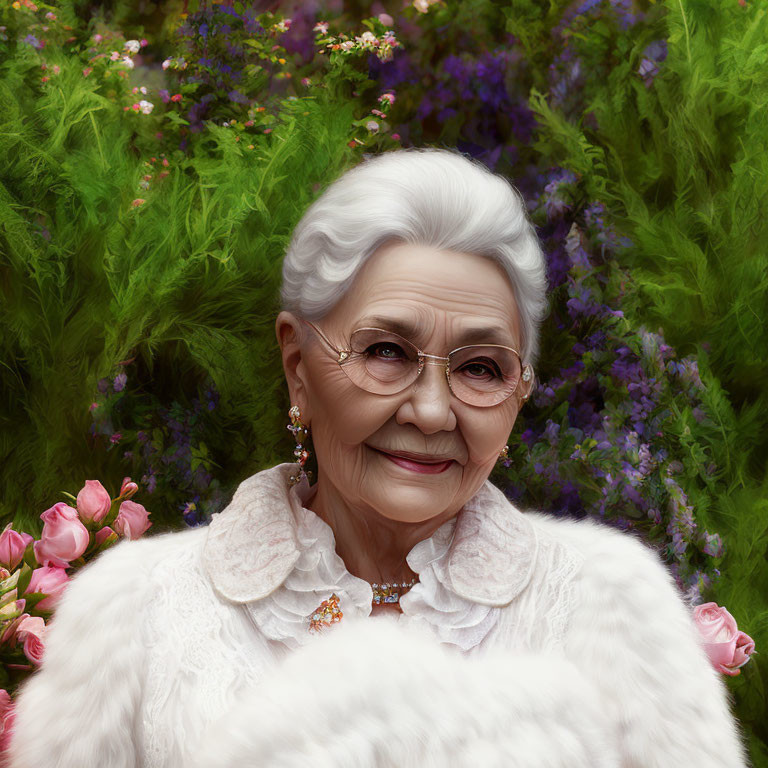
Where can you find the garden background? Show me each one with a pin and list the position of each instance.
(155, 157)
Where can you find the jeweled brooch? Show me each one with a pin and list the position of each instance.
(325, 614)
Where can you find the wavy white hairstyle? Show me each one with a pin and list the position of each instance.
(428, 196)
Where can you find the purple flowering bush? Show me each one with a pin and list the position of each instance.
(613, 430)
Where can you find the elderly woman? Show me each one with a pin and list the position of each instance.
(399, 611)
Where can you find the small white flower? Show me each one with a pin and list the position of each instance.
(146, 106)
(166, 63)
(321, 26)
(143, 90)
(346, 45)
(128, 61)
(422, 6)
(368, 37)
(133, 45)
(114, 56)
(372, 126)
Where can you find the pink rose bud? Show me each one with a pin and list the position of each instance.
(50, 581)
(31, 632)
(128, 488)
(64, 537)
(728, 648)
(6, 720)
(386, 19)
(93, 502)
(105, 534)
(12, 547)
(745, 647)
(132, 520)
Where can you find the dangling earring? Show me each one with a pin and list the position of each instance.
(504, 453)
(300, 433)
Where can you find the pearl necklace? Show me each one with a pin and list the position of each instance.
(389, 593)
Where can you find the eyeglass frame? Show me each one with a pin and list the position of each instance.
(345, 353)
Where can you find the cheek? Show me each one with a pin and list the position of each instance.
(343, 415)
(486, 434)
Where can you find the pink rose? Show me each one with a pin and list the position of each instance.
(12, 547)
(728, 648)
(132, 520)
(64, 537)
(6, 720)
(31, 632)
(50, 581)
(93, 502)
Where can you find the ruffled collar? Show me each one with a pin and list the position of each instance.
(270, 553)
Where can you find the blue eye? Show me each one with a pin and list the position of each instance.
(385, 351)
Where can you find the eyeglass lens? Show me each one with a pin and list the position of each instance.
(382, 362)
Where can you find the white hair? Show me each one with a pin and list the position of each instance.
(427, 196)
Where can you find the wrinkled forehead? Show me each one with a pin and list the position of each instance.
(423, 292)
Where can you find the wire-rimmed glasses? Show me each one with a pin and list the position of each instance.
(384, 363)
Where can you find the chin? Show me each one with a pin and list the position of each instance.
(408, 503)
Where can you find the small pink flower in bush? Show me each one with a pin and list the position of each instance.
(64, 537)
(390, 97)
(87, 71)
(12, 547)
(132, 520)
(386, 19)
(137, 202)
(50, 581)
(93, 502)
(728, 648)
(31, 632)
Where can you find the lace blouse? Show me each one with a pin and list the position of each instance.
(158, 637)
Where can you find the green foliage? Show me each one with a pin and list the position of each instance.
(184, 283)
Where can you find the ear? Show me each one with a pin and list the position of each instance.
(289, 334)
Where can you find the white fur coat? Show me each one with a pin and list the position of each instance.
(530, 641)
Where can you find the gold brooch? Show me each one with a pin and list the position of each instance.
(326, 614)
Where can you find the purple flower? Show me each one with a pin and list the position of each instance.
(648, 71)
(551, 431)
(119, 383)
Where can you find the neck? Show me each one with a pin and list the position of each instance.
(372, 547)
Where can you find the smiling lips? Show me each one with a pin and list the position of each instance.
(415, 463)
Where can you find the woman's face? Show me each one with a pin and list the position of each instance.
(354, 434)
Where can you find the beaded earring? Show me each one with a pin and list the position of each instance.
(504, 453)
(300, 433)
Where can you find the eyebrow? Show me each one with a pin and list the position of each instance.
(409, 330)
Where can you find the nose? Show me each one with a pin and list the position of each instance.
(428, 402)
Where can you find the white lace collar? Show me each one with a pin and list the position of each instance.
(267, 551)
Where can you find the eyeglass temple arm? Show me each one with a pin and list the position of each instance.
(342, 353)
